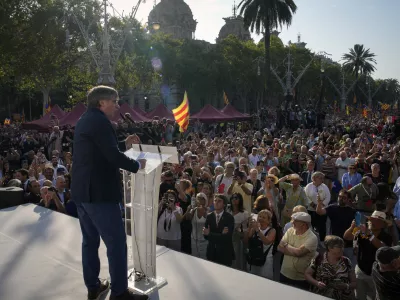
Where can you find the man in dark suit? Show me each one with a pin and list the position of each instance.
(306, 175)
(218, 230)
(96, 190)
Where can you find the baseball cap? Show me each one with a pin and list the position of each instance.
(301, 216)
(385, 255)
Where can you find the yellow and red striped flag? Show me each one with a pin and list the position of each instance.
(226, 100)
(385, 106)
(181, 114)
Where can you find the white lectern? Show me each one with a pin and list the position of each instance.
(141, 199)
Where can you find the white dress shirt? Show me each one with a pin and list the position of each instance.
(323, 191)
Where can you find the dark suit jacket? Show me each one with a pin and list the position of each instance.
(304, 176)
(220, 246)
(97, 160)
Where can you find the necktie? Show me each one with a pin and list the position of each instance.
(218, 218)
(309, 177)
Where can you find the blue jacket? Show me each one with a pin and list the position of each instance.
(97, 159)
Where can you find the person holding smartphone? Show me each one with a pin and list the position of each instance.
(51, 200)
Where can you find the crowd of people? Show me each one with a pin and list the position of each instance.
(314, 206)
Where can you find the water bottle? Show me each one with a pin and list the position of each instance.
(358, 219)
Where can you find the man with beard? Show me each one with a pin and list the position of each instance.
(341, 216)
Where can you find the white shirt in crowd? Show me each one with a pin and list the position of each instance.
(169, 233)
(323, 191)
(222, 182)
(254, 159)
(343, 163)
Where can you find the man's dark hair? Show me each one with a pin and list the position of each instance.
(98, 93)
(169, 174)
(23, 172)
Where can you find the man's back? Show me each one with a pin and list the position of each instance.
(97, 160)
(387, 284)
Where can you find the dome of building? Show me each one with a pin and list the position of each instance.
(175, 18)
(235, 26)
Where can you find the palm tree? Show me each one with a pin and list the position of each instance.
(266, 15)
(359, 61)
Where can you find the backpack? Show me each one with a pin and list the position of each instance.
(256, 255)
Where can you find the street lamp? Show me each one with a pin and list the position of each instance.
(156, 26)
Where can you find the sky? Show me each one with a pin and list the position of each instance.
(333, 26)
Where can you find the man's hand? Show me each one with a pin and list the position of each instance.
(225, 231)
(206, 231)
(132, 139)
(142, 162)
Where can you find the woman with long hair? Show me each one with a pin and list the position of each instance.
(168, 223)
(241, 217)
(197, 215)
(208, 191)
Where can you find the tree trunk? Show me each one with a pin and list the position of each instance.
(46, 95)
(267, 65)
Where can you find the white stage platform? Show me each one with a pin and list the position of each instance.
(40, 259)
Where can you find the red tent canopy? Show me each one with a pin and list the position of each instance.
(161, 111)
(139, 110)
(74, 115)
(210, 114)
(232, 112)
(125, 108)
(45, 121)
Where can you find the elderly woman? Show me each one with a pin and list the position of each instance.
(331, 274)
(318, 191)
(241, 217)
(261, 237)
(197, 215)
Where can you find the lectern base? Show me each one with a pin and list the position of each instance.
(146, 285)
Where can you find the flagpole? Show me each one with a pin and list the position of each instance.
(30, 108)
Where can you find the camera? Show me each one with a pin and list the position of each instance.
(164, 203)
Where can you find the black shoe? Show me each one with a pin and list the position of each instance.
(103, 289)
(129, 295)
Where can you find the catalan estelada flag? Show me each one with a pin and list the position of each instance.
(226, 100)
(181, 114)
(7, 121)
(365, 113)
(385, 106)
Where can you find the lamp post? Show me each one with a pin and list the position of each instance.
(107, 61)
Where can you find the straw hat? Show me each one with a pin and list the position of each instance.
(273, 178)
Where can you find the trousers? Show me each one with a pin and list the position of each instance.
(365, 286)
(103, 220)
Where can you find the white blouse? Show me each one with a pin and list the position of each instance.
(197, 227)
(168, 228)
